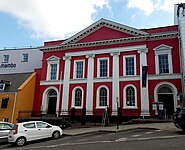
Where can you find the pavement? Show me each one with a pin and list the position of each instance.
(167, 125)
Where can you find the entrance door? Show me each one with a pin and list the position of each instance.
(167, 100)
(52, 101)
(165, 95)
(52, 105)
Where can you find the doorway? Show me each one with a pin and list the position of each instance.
(165, 95)
(52, 101)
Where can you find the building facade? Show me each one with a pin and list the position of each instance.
(111, 65)
(16, 94)
(20, 60)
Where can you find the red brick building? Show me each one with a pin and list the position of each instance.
(110, 64)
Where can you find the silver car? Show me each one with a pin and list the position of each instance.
(5, 128)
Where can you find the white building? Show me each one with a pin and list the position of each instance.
(179, 19)
(20, 60)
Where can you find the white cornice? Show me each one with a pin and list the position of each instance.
(152, 37)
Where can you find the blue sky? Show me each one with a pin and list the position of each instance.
(25, 23)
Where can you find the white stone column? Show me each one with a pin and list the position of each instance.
(115, 82)
(90, 73)
(144, 90)
(65, 93)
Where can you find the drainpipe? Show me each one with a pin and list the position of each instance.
(13, 111)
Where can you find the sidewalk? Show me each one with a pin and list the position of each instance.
(169, 126)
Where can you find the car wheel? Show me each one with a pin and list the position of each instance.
(56, 135)
(20, 141)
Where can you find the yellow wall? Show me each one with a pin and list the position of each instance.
(25, 97)
(7, 112)
(23, 100)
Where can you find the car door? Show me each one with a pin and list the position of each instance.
(30, 131)
(44, 129)
(4, 130)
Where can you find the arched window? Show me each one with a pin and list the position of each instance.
(165, 90)
(52, 93)
(78, 98)
(103, 97)
(130, 97)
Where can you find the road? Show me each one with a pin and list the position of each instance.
(137, 139)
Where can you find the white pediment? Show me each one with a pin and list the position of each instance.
(104, 23)
(53, 58)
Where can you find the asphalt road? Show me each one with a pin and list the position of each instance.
(137, 139)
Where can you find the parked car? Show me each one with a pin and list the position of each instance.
(5, 128)
(179, 118)
(32, 130)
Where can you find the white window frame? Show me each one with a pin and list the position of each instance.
(23, 57)
(52, 60)
(3, 86)
(97, 97)
(74, 72)
(124, 97)
(73, 97)
(6, 58)
(98, 71)
(163, 50)
(124, 64)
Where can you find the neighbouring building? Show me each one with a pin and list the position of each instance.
(110, 65)
(17, 81)
(179, 19)
(16, 94)
(20, 60)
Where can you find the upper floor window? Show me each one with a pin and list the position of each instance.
(25, 57)
(130, 96)
(2, 86)
(52, 68)
(103, 66)
(79, 69)
(163, 64)
(5, 58)
(163, 59)
(53, 71)
(129, 65)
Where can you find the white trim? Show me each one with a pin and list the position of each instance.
(3, 86)
(44, 106)
(90, 85)
(162, 50)
(98, 67)
(73, 98)
(74, 70)
(52, 60)
(65, 92)
(124, 64)
(124, 99)
(173, 88)
(107, 50)
(97, 97)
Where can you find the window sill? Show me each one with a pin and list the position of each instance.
(131, 107)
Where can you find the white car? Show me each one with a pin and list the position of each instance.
(32, 130)
(5, 128)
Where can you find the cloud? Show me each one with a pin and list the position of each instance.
(149, 6)
(53, 18)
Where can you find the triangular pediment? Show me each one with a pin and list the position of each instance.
(104, 30)
(162, 47)
(53, 58)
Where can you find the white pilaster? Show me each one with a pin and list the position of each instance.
(115, 82)
(89, 96)
(144, 90)
(65, 93)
